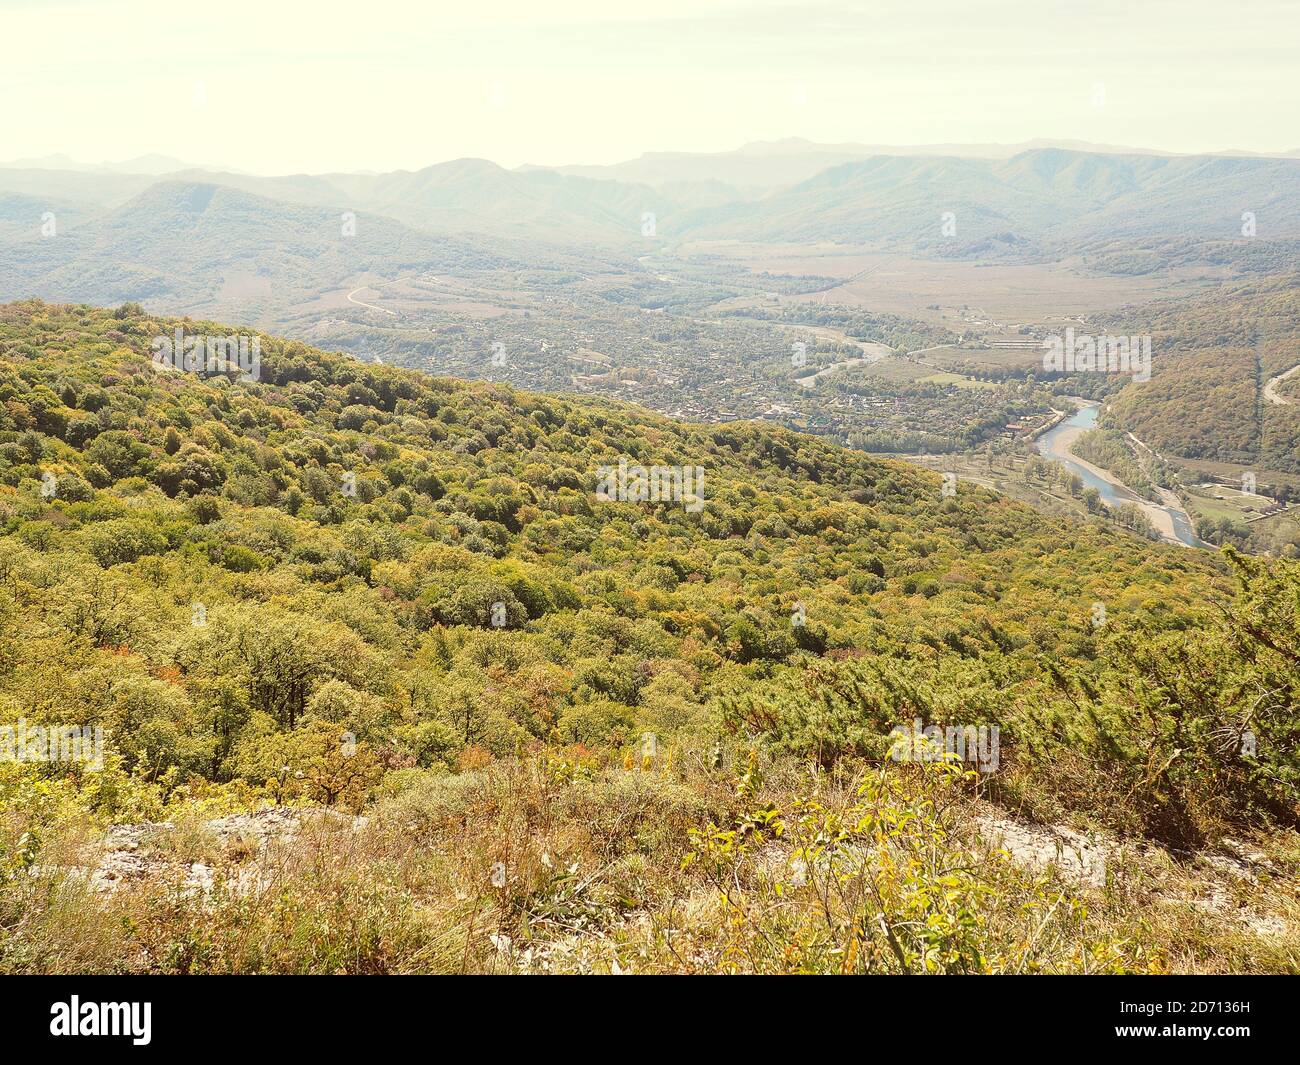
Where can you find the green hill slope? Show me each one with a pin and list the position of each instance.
(327, 583)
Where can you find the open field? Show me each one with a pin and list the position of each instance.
(960, 380)
(993, 295)
(1209, 469)
(1219, 502)
(979, 357)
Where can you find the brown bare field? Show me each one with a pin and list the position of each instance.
(993, 358)
(999, 294)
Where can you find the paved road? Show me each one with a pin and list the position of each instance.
(1270, 389)
(372, 306)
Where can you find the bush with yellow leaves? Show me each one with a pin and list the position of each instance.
(876, 879)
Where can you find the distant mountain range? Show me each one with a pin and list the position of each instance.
(752, 168)
(182, 238)
(199, 246)
(764, 165)
(1040, 197)
(154, 164)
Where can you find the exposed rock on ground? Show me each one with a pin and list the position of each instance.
(132, 852)
(1206, 884)
(1230, 884)
(1075, 856)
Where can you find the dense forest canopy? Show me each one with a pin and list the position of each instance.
(1213, 359)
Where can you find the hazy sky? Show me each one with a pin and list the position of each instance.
(273, 87)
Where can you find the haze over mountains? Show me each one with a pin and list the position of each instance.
(142, 164)
(191, 243)
(117, 236)
(758, 164)
(687, 294)
(763, 165)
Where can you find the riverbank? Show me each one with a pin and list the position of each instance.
(1057, 443)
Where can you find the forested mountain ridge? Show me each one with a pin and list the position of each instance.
(198, 244)
(1039, 198)
(344, 583)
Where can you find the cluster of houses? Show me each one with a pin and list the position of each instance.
(1026, 426)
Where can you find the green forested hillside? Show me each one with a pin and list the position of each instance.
(1212, 360)
(359, 587)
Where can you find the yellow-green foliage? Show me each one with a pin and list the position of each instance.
(246, 632)
(873, 880)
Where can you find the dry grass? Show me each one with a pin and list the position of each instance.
(550, 865)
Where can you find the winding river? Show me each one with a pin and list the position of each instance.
(1171, 521)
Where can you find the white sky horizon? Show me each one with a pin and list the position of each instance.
(397, 85)
(218, 167)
